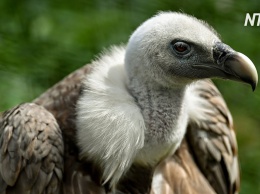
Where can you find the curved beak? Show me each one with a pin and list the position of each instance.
(229, 64)
(241, 67)
(237, 65)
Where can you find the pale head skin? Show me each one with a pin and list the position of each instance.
(149, 48)
(149, 51)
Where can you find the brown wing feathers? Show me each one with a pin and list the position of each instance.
(211, 141)
(31, 145)
(60, 100)
(181, 175)
(206, 161)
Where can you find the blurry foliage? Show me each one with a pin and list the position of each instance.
(43, 41)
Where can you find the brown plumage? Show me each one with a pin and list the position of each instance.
(205, 164)
(31, 151)
(191, 170)
(139, 120)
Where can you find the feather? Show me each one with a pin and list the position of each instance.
(25, 166)
(139, 119)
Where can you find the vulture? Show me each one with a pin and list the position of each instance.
(143, 118)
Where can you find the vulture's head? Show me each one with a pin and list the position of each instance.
(174, 49)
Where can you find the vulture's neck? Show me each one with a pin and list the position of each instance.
(165, 117)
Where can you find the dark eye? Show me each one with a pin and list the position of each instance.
(180, 48)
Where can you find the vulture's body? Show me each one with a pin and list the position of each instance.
(140, 119)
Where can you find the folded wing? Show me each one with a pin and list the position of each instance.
(207, 160)
(31, 150)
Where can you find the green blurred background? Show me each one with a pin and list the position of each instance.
(43, 41)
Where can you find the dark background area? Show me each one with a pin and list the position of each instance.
(43, 41)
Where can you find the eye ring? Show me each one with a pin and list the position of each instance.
(180, 48)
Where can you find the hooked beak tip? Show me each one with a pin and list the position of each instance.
(243, 68)
(253, 86)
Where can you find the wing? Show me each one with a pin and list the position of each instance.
(180, 174)
(206, 157)
(31, 150)
(61, 100)
(213, 140)
(30, 157)
(206, 162)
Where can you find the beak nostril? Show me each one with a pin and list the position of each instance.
(221, 52)
(223, 55)
(222, 58)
